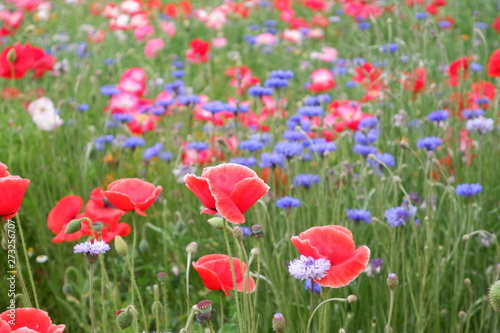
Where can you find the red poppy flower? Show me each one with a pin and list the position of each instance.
(228, 189)
(198, 51)
(334, 243)
(28, 320)
(15, 61)
(494, 64)
(67, 209)
(215, 271)
(496, 25)
(457, 66)
(3, 170)
(110, 219)
(130, 194)
(12, 189)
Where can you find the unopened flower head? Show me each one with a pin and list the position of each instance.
(309, 268)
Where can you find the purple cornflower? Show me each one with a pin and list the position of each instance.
(309, 286)
(151, 152)
(480, 125)
(134, 142)
(385, 158)
(439, 115)
(358, 215)
(272, 160)
(251, 145)
(310, 111)
(323, 147)
(246, 161)
(366, 138)
(109, 90)
(389, 48)
(374, 267)
(371, 122)
(276, 83)
(429, 143)
(397, 216)
(468, 190)
(293, 135)
(305, 179)
(97, 247)
(469, 114)
(281, 74)
(287, 202)
(198, 145)
(364, 150)
(309, 268)
(289, 149)
(257, 91)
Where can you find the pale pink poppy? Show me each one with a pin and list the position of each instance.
(143, 32)
(321, 80)
(292, 35)
(219, 42)
(266, 39)
(153, 47)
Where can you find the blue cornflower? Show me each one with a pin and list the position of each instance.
(276, 83)
(310, 111)
(134, 142)
(198, 145)
(178, 74)
(351, 84)
(371, 122)
(109, 90)
(364, 25)
(444, 24)
(293, 135)
(358, 215)
(152, 151)
(251, 145)
(339, 70)
(246, 161)
(289, 149)
(374, 267)
(188, 99)
(480, 125)
(364, 150)
(386, 158)
(97, 247)
(178, 64)
(287, 202)
(293, 121)
(439, 115)
(265, 138)
(250, 39)
(429, 143)
(165, 156)
(272, 160)
(421, 15)
(309, 286)
(305, 179)
(257, 91)
(323, 147)
(214, 107)
(366, 138)
(174, 86)
(109, 62)
(476, 67)
(482, 25)
(83, 107)
(281, 74)
(468, 190)
(389, 48)
(270, 23)
(309, 268)
(397, 216)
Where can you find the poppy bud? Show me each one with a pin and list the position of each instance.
(97, 226)
(192, 247)
(396, 180)
(74, 226)
(11, 55)
(143, 245)
(341, 330)
(216, 222)
(162, 276)
(124, 318)
(462, 314)
(278, 322)
(404, 144)
(255, 251)
(257, 231)
(157, 309)
(121, 246)
(238, 233)
(392, 281)
(67, 289)
(351, 299)
(495, 296)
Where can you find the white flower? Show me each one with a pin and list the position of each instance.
(44, 114)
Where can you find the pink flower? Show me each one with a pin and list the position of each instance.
(321, 80)
(327, 54)
(266, 39)
(143, 32)
(28, 320)
(293, 36)
(153, 47)
(219, 42)
(168, 28)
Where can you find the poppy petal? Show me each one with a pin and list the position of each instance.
(119, 200)
(332, 241)
(62, 236)
(56, 329)
(64, 211)
(226, 176)
(3, 172)
(25, 330)
(136, 189)
(342, 274)
(199, 186)
(210, 278)
(225, 206)
(242, 287)
(122, 229)
(247, 192)
(208, 211)
(29, 318)
(4, 327)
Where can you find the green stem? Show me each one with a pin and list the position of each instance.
(104, 281)
(132, 273)
(189, 320)
(91, 297)
(229, 253)
(391, 305)
(21, 234)
(165, 304)
(187, 280)
(319, 305)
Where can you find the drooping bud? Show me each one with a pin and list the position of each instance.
(462, 314)
(278, 322)
(143, 245)
(121, 246)
(97, 225)
(216, 222)
(495, 296)
(257, 231)
(124, 318)
(11, 55)
(255, 251)
(351, 299)
(396, 180)
(192, 247)
(73, 226)
(392, 281)
(67, 288)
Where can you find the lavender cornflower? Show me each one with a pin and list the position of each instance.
(134, 142)
(476, 67)
(364, 150)
(374, 267)
(469, 114)
(429, 143)
(188, 100)
(293, 135)
(289, 149)
(272, 160)
(366, 138)
(276, 83)
(397, 216)
(309, 268)
(310, 111)
(251, 145)
(246, 161)
(257, 91)
(287, 202)
(165, 156)
(97, 247)
(281, 74)
(322, 148)
(468, 190)
(198, 145)
(480, 125)
(305, 179)
(151, 152)
(371, 122)
(439, 115)
(358, 215)
(389, 48)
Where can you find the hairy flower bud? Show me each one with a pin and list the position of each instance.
(216, 222)
(278, 322)
(73, 226)
(192, 247)
(124, 319)
(495, 296)
(392, 281)
(121, 246)
(351, 299)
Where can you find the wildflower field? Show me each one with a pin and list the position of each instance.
(249, 166)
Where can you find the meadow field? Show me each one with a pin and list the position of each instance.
(252, 166)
